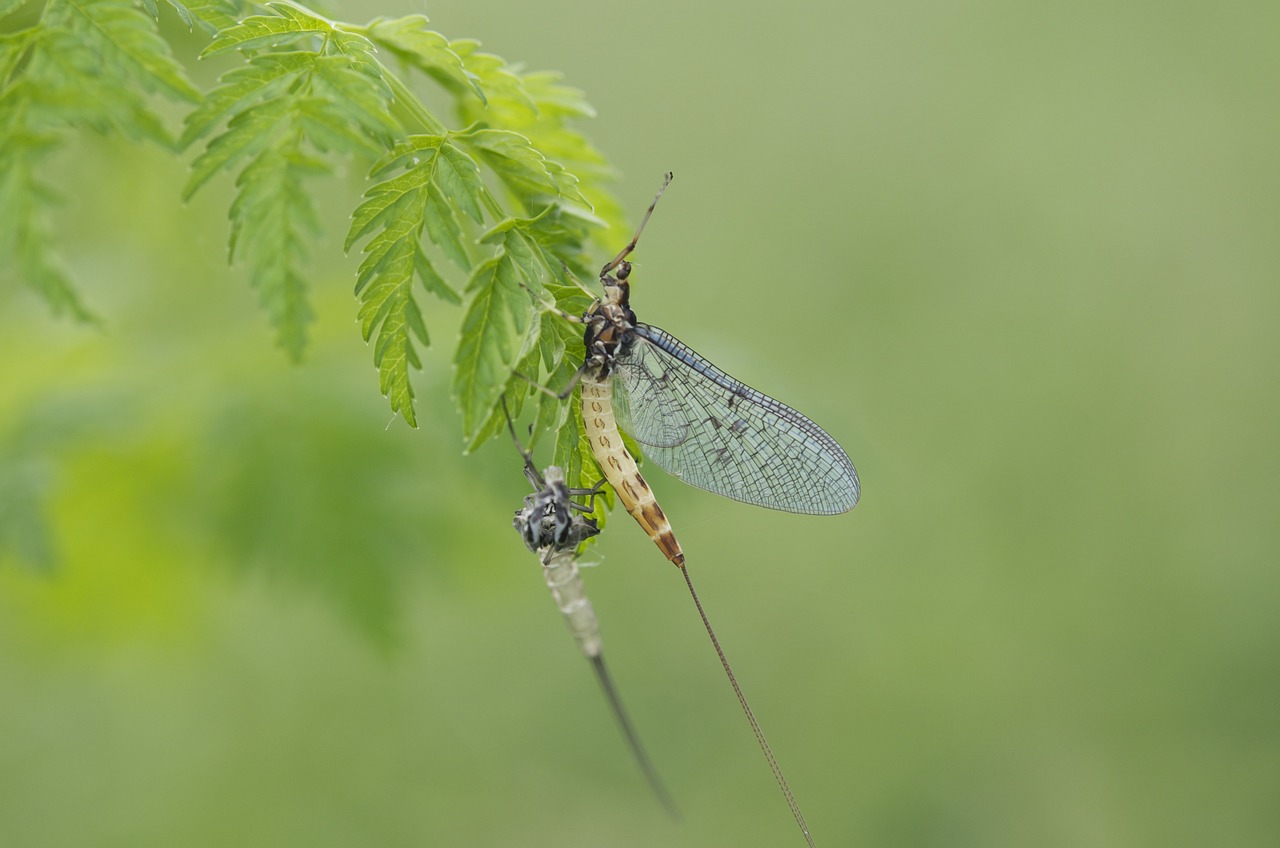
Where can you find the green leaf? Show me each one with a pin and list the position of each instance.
(552, 411)
(388, 306)
(396, 212)
(269, 218)
(213, 15)
(401, 196)
(358, 96)
(412, 42)
(433, 282)
(520, 167)
(503, 88)
(498, 317)
(249, 132)
(459, 179)
(330, 130)
(265, 77)
(183, 12)
(128, 31)
(290, 26)
(555, 101)
(25, 231)
(407, 154)
(443, 228)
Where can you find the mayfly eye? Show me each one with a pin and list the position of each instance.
(624, 270)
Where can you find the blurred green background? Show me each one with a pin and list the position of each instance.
(1020, 259)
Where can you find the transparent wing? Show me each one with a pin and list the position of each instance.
(721, 435)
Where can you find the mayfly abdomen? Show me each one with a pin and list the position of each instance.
(619, 467)
(564, 579)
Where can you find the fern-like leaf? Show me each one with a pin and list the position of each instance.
(284, 116)
(522, 168)
(83, 64)
(410, 40)
(497, 326)
(271, 217)
(25, 238)
(396, 212)
(289, 26)
(133, 39)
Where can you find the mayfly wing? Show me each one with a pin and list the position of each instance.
(717, 433)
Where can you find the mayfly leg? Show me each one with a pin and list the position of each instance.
(550, 525)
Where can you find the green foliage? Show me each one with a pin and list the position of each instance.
(287, 115)
(504, 190)
(77, 64)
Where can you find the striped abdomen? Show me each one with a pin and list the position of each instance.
(619, 467)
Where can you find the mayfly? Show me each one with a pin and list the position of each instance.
(702, 426)
(553, 526)
(694, 420)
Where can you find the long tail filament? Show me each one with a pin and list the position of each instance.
(751, 718)
(633, 738)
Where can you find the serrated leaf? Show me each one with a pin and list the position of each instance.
(552, 411)
(358, 96)
(214, 16)
(270, 213)
(290, 26)
(443, 227)
(433, 282)
(128, 32)
(25, 233)
(459, 178)
(556, 100)
(409, 153)
(388, 198)
(520, 167)
(396, 210)
(498, 316)
(428, 51)
(247, 133)
(264, 77)
(391, 253)
(388, 305)
(424, 155)
(500, 84)
(330, 130)
(516, 390)
(183, 13)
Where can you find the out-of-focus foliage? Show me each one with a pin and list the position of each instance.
(79, 65)
(1020, 259)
